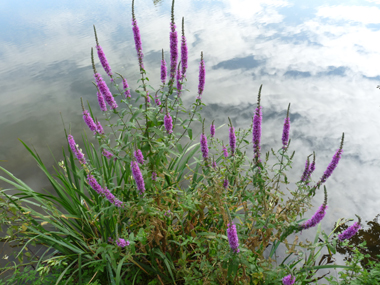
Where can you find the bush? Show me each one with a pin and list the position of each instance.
(150, 205)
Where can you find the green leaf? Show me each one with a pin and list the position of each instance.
(190, 132)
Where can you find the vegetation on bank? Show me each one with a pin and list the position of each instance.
(154, 203)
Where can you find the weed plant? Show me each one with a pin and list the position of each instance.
(152, 204)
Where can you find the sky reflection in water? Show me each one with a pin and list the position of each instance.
(321, 57)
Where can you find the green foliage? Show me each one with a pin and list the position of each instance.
(177, 228)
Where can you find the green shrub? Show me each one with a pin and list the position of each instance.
(166, 218)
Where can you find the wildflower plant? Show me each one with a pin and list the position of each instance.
(148, 204)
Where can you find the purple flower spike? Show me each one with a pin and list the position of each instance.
(202, 75)
(316, 218)
(94, 184)
(107, 154)
(136, 172)
(183, 50)
(311, 170)
(232, 140)
(333, 164)
(285, 133)
(102, 103)
(225, 183)
(157, 100)
(225, 152)
(233, 238)
(173, 50)
(111, 198)
(212, 130)
(168, 122)
(89, 121)
(137, 37)
(139, 156)
(76, 150)
(214, 164)
(256, 134)
(105, 91)
(103, 192)
(103, 61)
(306, 171)
(163, 69)
(99, 128)
(122, 242)
(126, 88)
(349, 232)
(154, 176)
(147, 97)
(204, 146)
(288, 280)
(102, 57)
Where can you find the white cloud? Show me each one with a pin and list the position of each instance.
(361, 14)
(248, 9)
(374, 1)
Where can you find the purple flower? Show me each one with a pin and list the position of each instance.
(111, 198)
(126, 88)
(139, 156)
(288, 280)
(225, 183)
(214, 164)
(107, 154)
(204, 147)
(305, 174)
(163, 69)
(122, 242)
(173, 50)
(333, 164)
(168, 122)
(212, 130)
(285, 133)
(316, 218)
(183, 50)
(99, 128)
(103, 192)
(75, 149)
(103, 61)
(233, 238)
(202, 75)
(157, 100)
(147, 97)
(225, 152)
(311, 170)
(179, 84)
(349, 232)
(105, 91)
(232, 140)
(136, 172)
(102, 103)
(89, 121)
(136, 34)
(110, 239)
(154, 176)
(94, 184)
(256, 134)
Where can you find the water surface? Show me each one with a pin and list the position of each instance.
(322, 57)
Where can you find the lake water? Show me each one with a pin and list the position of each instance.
(321, 56)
